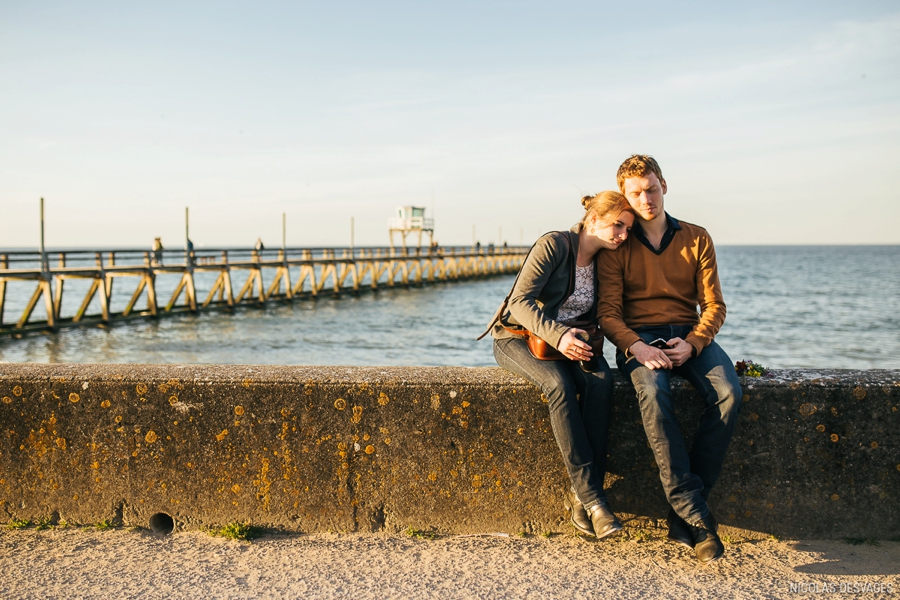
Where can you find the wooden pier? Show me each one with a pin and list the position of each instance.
(280, 275)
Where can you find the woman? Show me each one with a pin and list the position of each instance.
(555, 299)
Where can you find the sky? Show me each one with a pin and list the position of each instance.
(773, 122)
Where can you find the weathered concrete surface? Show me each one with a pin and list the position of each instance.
(454, 449)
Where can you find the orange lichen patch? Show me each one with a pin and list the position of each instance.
(222, 435)
(236, 488)
(17, 391)
(456, 410)
(835, 497)
(7, 400)
(61, 442)
(874, 445)
(73, 397)
(465, 404)
(247, 383)
(807, 409)
(747, 513)
(95, 465)
(285, 413)
(834, 437)
(859, 393)
(150, 437)
(520, 431)
(476, 481)
(357, 414)
(754, 417)
(544, 399)
(432, 476)
(387, 441)
(118, 419)
(238, 410)
(141, 389)
(366, 436)
(383, 399)
(370, 449)
(340, 404)
(163, 388)
(105, 404)
(173, 400)
(384, 430)
(820, 428)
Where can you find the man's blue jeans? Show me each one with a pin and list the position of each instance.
(580, 427)
(687, 476)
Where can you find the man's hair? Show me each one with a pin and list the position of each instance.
(637, 165)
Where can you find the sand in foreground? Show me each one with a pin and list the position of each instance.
(76, 563)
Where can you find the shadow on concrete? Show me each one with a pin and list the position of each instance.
(843, 558)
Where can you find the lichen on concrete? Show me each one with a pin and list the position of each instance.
(452, 449)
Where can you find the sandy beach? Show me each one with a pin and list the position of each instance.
(123, 563)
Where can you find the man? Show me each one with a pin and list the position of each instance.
(650, 290)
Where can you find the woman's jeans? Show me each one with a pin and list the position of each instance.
(580, 427)
(687, 476)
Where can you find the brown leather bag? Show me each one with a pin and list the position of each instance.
(541, 350)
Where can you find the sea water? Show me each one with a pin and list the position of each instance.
(788, 306)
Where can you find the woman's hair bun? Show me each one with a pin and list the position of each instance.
(586, 200)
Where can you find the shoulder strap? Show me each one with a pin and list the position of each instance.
(505, 303)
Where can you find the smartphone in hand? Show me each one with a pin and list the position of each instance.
(659, 343)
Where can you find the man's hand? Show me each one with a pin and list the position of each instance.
(679, 351)
(572, 347)
(650, 357)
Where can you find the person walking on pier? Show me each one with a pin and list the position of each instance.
(649, 294)
(546, 331)
(157, 249)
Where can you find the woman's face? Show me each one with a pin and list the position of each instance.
(611, 233)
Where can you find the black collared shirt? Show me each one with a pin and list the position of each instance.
(672, 225)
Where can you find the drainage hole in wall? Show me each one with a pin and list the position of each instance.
(162, 523)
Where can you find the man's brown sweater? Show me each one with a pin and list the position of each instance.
(639, 286)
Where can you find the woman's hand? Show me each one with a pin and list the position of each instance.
(572, 347)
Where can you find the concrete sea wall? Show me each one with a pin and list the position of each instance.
(450, 449)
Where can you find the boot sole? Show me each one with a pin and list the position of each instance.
(680, 542)
(610, 532)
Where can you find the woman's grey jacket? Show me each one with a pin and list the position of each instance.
(546, 280)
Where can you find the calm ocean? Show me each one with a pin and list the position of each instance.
(788, 306)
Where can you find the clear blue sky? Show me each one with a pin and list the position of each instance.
(774, 122)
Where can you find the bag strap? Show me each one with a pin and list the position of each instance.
(505, 303)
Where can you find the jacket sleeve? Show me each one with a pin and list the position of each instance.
(547, 256)
(709, 297)
(611, 276)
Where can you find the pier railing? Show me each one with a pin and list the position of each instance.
(264, 276)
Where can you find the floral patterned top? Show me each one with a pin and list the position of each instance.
(582, 297)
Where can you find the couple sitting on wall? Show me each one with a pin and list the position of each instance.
(642, 291)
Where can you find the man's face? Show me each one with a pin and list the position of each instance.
(645, 195)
